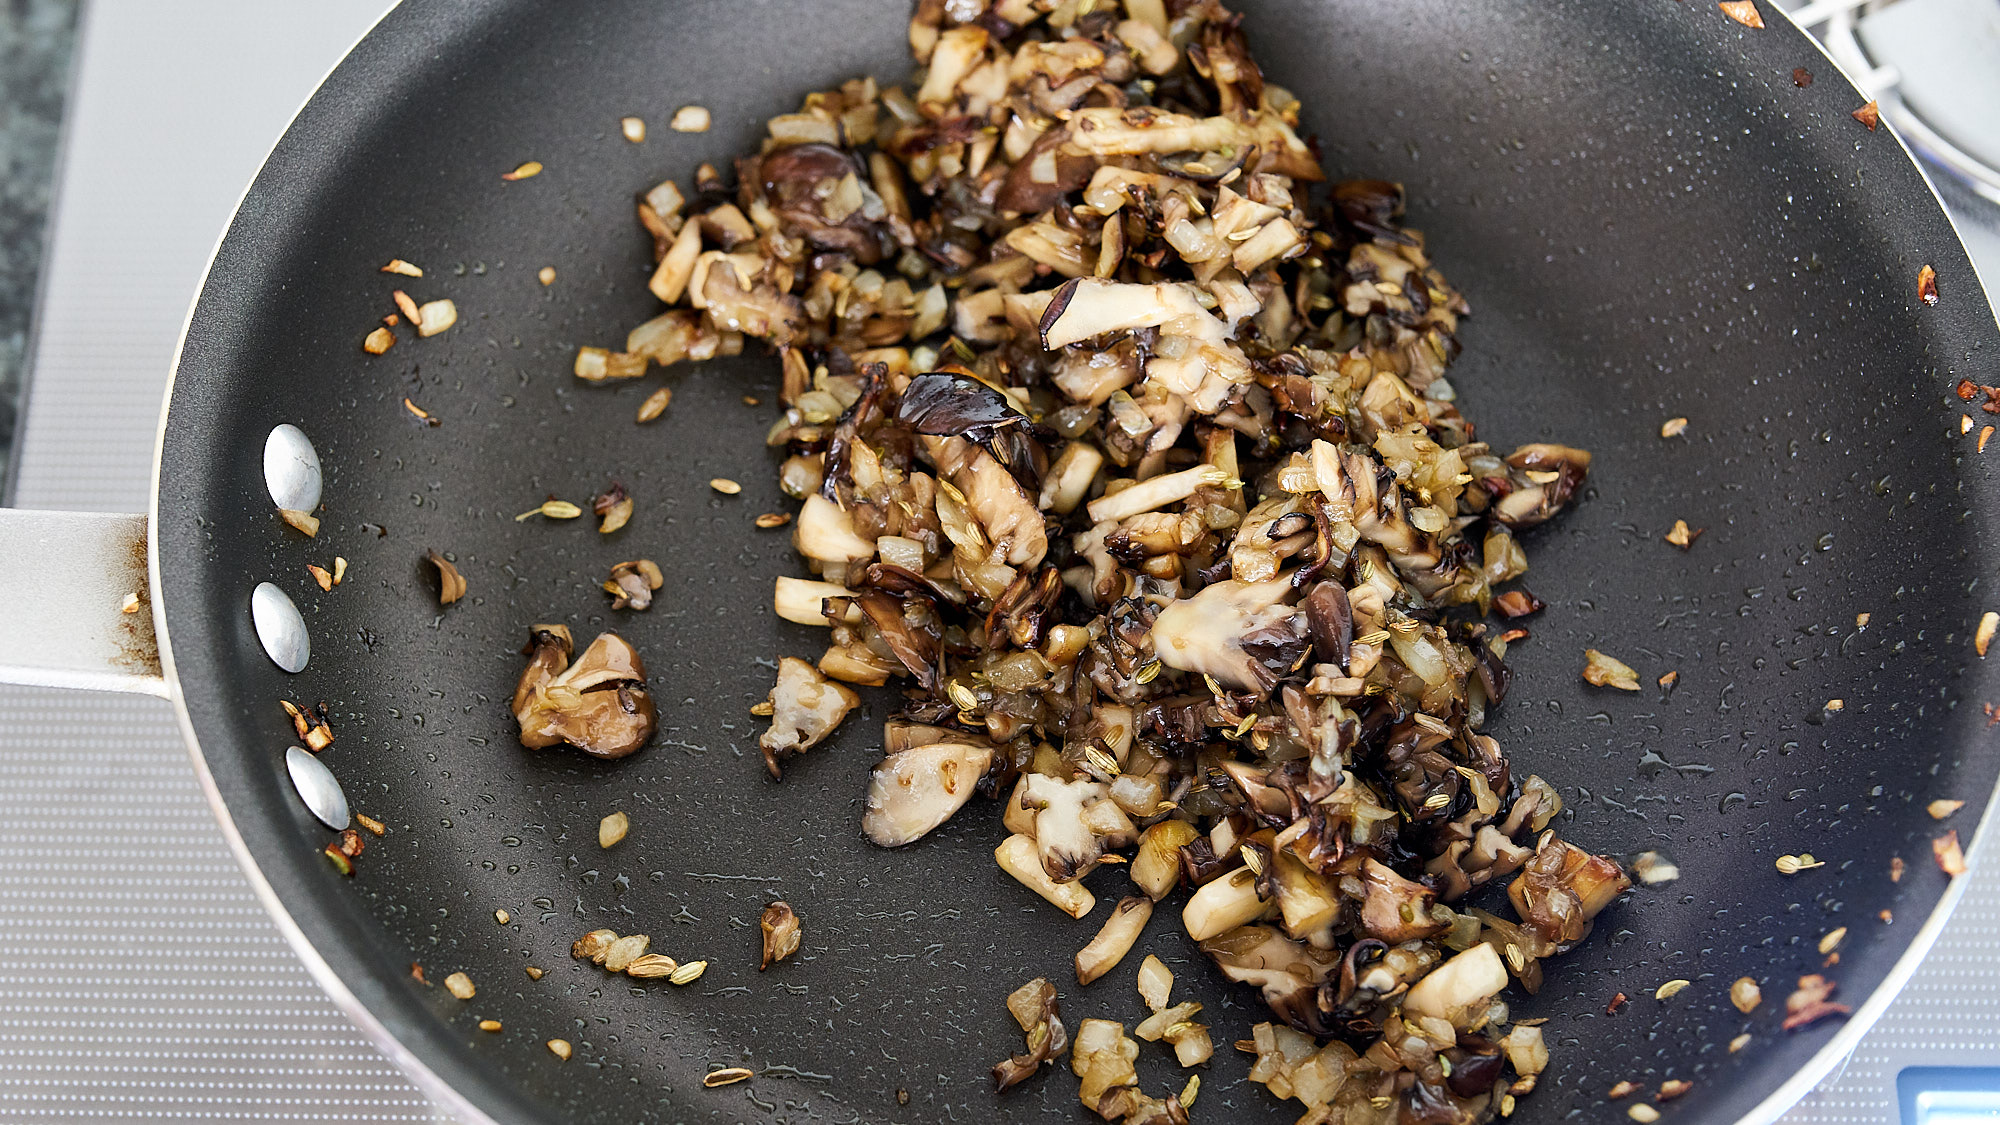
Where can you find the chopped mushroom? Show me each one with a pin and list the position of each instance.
(632, 583)
(599, 704)
(913, 791)
(1115, 940)
(806, 707)
(1035, 1007)
(451, 584)
(780, 927)
(1137, 463)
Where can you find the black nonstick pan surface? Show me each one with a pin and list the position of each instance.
(1651, 220)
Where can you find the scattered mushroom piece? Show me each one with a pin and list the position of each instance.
(599, 704)
(612, 829)
(689, 119)
(780, 927)
(378, 341)
(1950, 857)
(1809, 1003)
(805, 708)
(632, 583)
(614, 507)
(1608, 671)
(1035, 1007)
(451, 584)
(1121, 930)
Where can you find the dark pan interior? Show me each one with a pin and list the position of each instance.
(1650, 220)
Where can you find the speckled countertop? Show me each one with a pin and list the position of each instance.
(35, 41)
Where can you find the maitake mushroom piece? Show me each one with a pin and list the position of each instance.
(598, 704)
(1034, 1006)
(805, 707)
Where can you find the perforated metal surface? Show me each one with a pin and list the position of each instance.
(137, 975)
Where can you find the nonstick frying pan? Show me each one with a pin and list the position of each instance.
(1650, 218)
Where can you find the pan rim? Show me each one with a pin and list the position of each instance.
(456, 1101)
(378, 1035)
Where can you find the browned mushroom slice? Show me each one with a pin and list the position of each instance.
(1288, 972)
(913, 791)
(599, 704)
(1218, 633)
(805, 707)
(1562, 888)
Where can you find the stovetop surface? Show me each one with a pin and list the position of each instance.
(138, 975)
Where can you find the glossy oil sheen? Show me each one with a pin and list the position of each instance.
(1650, 221)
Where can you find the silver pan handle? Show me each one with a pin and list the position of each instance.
(76, 610)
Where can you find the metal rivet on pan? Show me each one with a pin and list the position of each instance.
(317, 788)
(291, 469)
(280, 627)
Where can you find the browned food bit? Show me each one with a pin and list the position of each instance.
(524, 171)
(652, 966)
(1621, 1089)
(339, 569)
(726, 1076)
(1617, 1002)
(725, 486)
(560, 1048)
(655, 404)
(1801, 77)
(1673, 427)
(1982, 638)
(1869, 114)
(1680, 536)
(341, 862)
(769, 520)
(378, 341)
(451, 584)
(546, 275)
(1036, 1008)
(1896, 869)
(1668, 681)
(593, 945)
(320, 575)
(1518, 603)
(806, 706)
(1809, 1003)
(405, 304)
(632, 583)
(1745, 995)
(417, 973)
(634, 129)
(1608, 671)
(599, 704)
(781, 930)
(1950, 857)
(420, 414)
(689, 119)
(1940, 809)
(1985, 435)
(595, 365)
(489, 1025)
(1927, 290)
(612, 829)
(460, 985)
(300, 521)
(1121, 931)
(1743, 12)
(614, 507)
(371, 824)
(398, 265)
